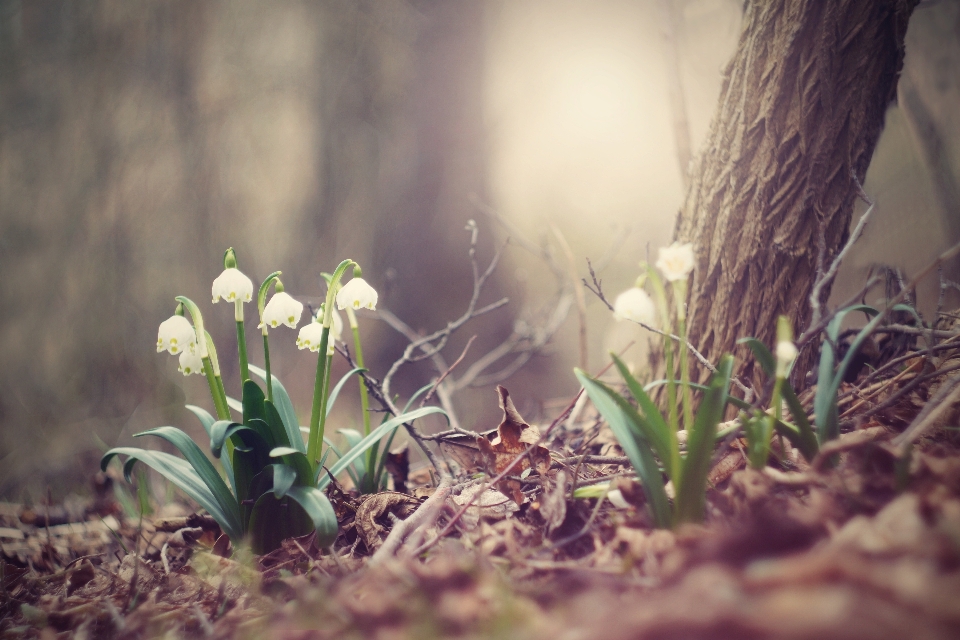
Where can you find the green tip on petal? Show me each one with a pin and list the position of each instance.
(230, 259)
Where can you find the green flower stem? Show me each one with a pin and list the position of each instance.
(222, 411)
(668, 350)
(315, 439)
(261, 302)
(321, 383)
(241, 342)
(364, 402)
(358, 349)
(680, 296)
(208, 355)
(266, 364)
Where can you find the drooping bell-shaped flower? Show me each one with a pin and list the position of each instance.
(309, 336)
(676, 261)
(176, 334)
(634, 304)
(190, 362)
(787, 352)
(232, 285)
(281, 309)
(357, 294)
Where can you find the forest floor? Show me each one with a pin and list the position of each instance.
(868, 547)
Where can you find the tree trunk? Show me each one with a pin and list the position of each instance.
(800, 111)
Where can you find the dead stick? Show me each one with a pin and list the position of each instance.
(424, 513)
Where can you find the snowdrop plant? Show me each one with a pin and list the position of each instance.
(273, 488)
(642, 431)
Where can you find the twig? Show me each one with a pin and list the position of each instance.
(426, 512)
(500, 476)
(846, 442)
(376, 390)
(443, 376)
(942, 402)
(827, 278)
(597, 290)
(437, 340)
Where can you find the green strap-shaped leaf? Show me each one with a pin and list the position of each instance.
(277, 427)
(828, 382)
(268, 434)
(223, 429)
(236, 405)
(283, 479)
(652, 425)
(806, 437)
(253, 402)
(373, 438)
(634, 445)
(284, 406)
(208, 421)
(321, 512)
(336, 389)
(273, 520)
(422, 390)
(297, 461)
(202, 465)
(762, 355)
(691, 490)
(180, 473)
(203, 416)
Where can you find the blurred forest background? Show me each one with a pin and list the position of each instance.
(141, 138)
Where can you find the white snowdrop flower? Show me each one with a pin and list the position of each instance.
(309, 336)
(357, 294)
(787, 352)
(232, 286)
(634, 304)
(676, 261)
(190, 362)
(282, 309)
(176, 334)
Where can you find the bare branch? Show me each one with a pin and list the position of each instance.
(826, 279)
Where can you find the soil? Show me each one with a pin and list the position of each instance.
(862, 544)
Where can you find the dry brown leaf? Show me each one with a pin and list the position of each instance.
(372, 520)
(514, 436)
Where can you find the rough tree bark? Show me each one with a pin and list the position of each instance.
(800, 111)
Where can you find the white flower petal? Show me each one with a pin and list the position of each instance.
(634, 304)
(309, 336)
(282, 309)
(175, 335)
(357, 294)
(190, 362)
(336, 326)
(787, 352)
(231, 285)
(676, 261)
